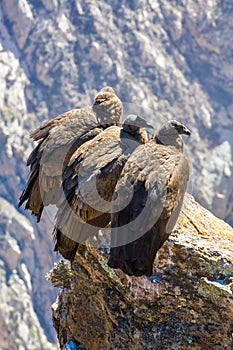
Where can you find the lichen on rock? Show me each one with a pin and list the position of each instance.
(188, 298)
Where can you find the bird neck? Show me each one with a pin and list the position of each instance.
(141, 136)
(138, 134)
(170, 140)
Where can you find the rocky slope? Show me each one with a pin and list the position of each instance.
(187, 303)
(166, 59)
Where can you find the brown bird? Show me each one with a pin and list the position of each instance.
(89, 180)
(57, 139)
(147, 200)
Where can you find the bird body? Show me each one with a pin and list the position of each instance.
(90, 177)
(147, 201)
(95, 171)
(57, 139)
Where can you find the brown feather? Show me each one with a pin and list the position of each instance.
(58, 139)
(156, 176)
(91, 176)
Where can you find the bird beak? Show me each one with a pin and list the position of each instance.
(99, 101)
(149, 126)
(142, 123)
(186, 131)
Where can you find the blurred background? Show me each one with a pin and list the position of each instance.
(166, 59)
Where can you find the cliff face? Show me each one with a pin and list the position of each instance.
(166, 59)
(25, 252)
(186, 302)
(170, 59)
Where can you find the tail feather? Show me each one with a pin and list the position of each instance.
(28, 189)
(70, 231)
(136, 258)
(64, 245)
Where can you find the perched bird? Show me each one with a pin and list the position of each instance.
(89, 180)
(147, 200)
(57, 139)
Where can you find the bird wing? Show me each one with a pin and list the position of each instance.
(93, 170)
(139, 230)
(176, 191)
(139, 192)
(70, 229)
(69, 128)
(57, 140)
(89, 177)
(43, 131)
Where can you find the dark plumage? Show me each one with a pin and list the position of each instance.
(148, 198)
(89, 180)
(57, 139)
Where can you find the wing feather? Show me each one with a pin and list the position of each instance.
(58, 138)
(157, 176)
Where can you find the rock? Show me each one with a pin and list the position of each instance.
(184, 302)
(19, 14)
(15, 228)
(25, 295)
(50, 5)
(219, 169)
(17, 313)
(16, 266)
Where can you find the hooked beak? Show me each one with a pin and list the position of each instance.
(98, 102)
(186, 131)
(142, 123)
(181, 128)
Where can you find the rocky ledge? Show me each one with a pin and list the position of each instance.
(187, 302)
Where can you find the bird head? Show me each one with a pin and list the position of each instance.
(133, 123)
(104, 95)
(108, 107)
(178, 127)
(169, 134)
